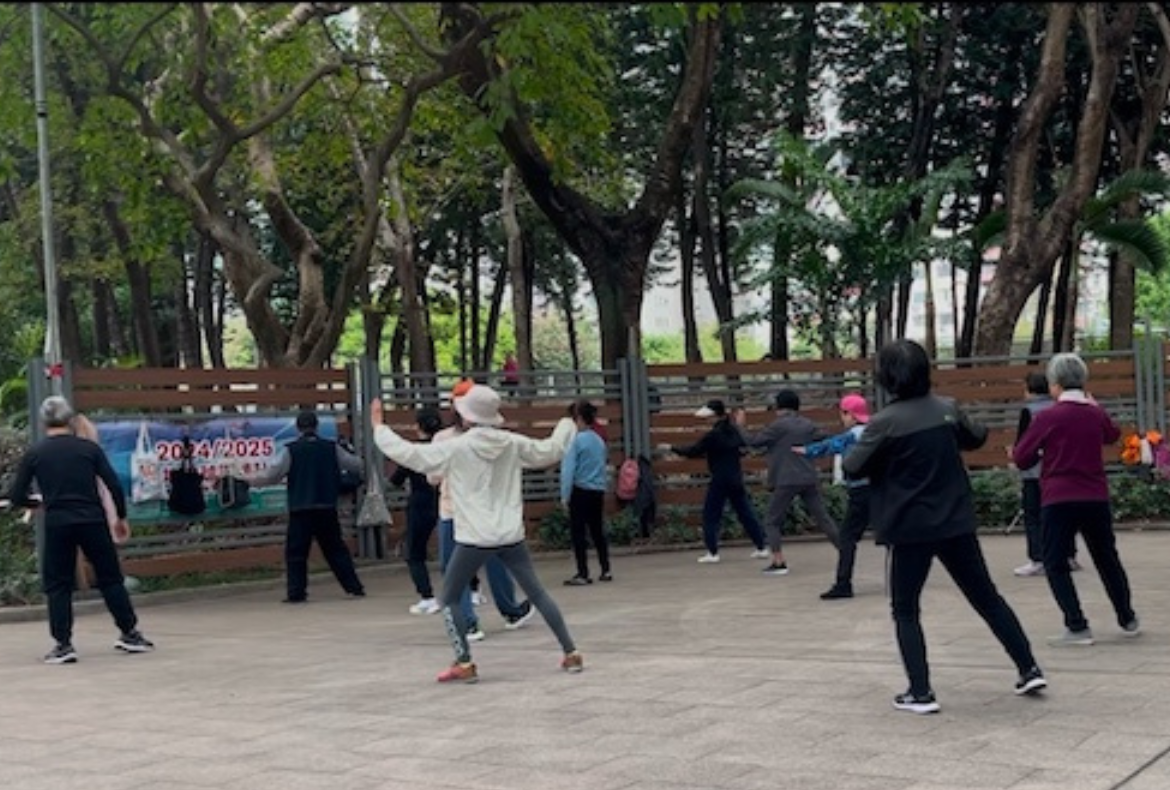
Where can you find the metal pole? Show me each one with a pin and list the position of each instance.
(53, 327)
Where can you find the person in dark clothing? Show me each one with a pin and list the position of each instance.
(422, 515)
(921, 508)
(723, 448)
(789, 475)
(66, 469)
(313, 467)
(1074, 494)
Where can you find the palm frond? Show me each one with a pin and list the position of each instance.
(990, 230)
(1140, 240)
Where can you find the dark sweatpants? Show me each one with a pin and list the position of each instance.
(322, 525)
(59, 570)
(1094, 520)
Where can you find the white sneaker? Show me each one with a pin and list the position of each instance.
(425, 606)
(478, 599)
(761, 554)
(709, 558)
(476, 634)
(1030, 569)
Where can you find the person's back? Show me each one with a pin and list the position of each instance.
(724, 449)
(786, 468)
(67, 469)
(314, 473)
(1072, 434)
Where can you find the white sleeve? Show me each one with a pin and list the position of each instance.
(426, 458)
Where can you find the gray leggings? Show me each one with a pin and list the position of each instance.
(465, 562)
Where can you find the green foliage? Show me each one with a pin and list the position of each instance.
(996, 496)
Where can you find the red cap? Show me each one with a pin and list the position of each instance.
(856, 405)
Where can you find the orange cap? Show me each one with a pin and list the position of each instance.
(462, 388)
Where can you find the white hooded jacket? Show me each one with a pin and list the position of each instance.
(482, 469)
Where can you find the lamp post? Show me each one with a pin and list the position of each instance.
(53, 362)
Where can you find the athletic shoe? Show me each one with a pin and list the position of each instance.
(709, 558)
(837, 591)
(1030, 569)
(356, 593)
(518, 621)
(61, 654)
(573, 662)
(1031, 682)
(475, 634)
(1132, 628)
(425, 606)
(605, 577)
(464, 672)
(916, 703)
(776, 570)
(761, 554)
(295, 599)
(1072, 638)
(478, 599)
(578, 581)
(134, 642)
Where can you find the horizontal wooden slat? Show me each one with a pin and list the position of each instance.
(86, 378)
(768, 368)
(87, 400)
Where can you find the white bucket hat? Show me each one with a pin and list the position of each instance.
(480, 406)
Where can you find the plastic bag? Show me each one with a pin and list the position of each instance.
(146, 474)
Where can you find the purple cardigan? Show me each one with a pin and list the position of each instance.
(1069, 437)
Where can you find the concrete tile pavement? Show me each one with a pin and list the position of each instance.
(696, 677)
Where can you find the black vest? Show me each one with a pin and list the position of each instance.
(314, 473)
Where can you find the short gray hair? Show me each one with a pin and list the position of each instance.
(56, 412)
(1068, 371)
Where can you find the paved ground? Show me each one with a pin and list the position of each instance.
(697, 677)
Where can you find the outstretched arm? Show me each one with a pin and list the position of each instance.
(543, 453)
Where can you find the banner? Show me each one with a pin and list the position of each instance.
(143, 453)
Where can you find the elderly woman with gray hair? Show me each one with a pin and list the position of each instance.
(66, 469)
(1074, 495)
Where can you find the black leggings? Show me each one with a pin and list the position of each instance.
(963, 559)
(587, 522)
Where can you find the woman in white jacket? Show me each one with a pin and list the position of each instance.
(482, 468)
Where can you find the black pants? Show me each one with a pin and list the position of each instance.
(420, 525)
(320, 524)
(1030, 503)
(719, 493)
(963, 559)
(852, 529)
(587, 522)
(1094, 520)
(59, 568)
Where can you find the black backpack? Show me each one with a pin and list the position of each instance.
(186, 495)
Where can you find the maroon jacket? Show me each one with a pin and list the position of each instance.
(1068, 437)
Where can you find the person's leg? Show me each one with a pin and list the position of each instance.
(741, 502)
(1059, 531)
(1030, 503)
(57, 576)
(578, 529)
(464, 563)
(419, 526)
(713, 516)
(909, 567)
(962, 556)
(503, 589)
(297, 543)
(446, 549)
(852, 530)
(518, 561)
(327, 530)
(778, 505)
(814, 503)
(1097, 531)
(593, 503)
(94, 540)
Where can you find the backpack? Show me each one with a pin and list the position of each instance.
(627, 480)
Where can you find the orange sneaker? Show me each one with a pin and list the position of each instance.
(573, 662)
(457, 671)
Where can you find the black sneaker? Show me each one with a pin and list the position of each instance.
(917, 703)
(776, 569)
(837, 591)
(513, 622)
(578, 581)
(606, 577)
(295, 599)
(134, 642)
(1031, 682)
(61, 654)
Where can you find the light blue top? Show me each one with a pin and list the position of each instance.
(584, 465)
(837, 445)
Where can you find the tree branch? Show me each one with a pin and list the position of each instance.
(416, 38)
(300, 15)
(286, 104)
(142, 32)
(199, 74)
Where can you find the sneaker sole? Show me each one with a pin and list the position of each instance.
(523, 621)
(775, 573)
(1032, 687)
(1071, 643)
(133, 648)
(920, 708)
(59, 661)
(468, 681)
(574, 670)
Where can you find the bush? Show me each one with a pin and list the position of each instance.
(554, 529)
(19, 583)
(996, 494)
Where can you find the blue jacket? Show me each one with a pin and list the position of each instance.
(838, 445)
(584, 465)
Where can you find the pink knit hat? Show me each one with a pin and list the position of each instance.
(856, 405)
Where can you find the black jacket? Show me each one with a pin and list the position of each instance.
(422, 505)
(66, 469)
(723, 448)
(910, 451)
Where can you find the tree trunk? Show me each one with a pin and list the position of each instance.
(716, 271)
(1034, 243)
(103, 306)
(414, 310)
(461, 298)
(209, 301)
(692, 352)
(495, 308)
(1039, 328)
(480, 353)
(614, 248)
(190, 352)
(931, 316)
(138, 278)
(517, 274)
